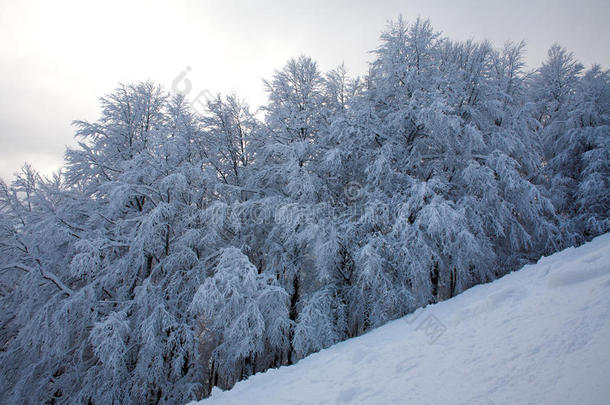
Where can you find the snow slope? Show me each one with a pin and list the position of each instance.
(540, 335)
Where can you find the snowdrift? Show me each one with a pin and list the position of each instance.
(540, 335)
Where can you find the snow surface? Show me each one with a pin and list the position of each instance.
(540, 335)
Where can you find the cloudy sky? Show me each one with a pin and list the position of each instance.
(58, 57)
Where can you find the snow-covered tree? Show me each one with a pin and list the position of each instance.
(578, 154)
(181, 250)
(242, 319)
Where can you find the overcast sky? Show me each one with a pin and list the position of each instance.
(58, 57)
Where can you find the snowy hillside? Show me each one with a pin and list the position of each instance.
(540, 335)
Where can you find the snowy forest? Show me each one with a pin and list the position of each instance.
(178, 250)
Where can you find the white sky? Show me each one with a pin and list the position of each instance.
(58, 57)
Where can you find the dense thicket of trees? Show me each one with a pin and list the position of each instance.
(179, 251)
